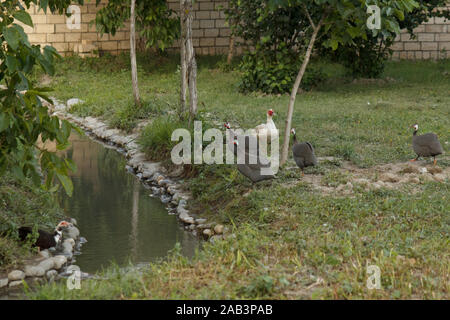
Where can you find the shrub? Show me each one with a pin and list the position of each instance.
(275, 72)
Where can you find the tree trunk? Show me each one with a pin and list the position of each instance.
(298, 80)
(134, 77)
(230, 50)
(191, 64)
(183, 71)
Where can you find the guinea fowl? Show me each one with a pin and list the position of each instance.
(45, 239)
(303, 153)
(426, 145)
(253, 168)
(268, 129)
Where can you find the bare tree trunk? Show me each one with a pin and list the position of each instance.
(230, 50)
(183, 71)
(298, 80)
(134, 76)
(191, 64)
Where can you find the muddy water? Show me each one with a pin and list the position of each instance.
(115, 212)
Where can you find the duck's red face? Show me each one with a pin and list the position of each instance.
(227, 125)
(63, 224)
(270, 112)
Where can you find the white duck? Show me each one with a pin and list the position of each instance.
(268, 129)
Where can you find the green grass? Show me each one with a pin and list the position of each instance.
(291, 241)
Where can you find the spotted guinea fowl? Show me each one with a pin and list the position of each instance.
(253, 167)
(303, 153)
(45, 239)
(426, 145)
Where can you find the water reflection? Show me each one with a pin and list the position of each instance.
(115, 212)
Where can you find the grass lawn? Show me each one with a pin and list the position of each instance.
(290, 240)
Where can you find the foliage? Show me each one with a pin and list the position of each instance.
(23, 117)
(153, 19)
(272, 65)
(366, 57)
(274, 72)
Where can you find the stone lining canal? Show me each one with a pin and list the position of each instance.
(115, 213)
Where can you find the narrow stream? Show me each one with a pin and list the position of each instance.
(115, 213)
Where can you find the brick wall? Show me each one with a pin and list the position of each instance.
(53, 30)
(211, 34)
(432, 41)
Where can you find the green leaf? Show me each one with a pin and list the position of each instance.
(12, 37)
(11, 63)
(66, 183)
(4, 121)
(24, 17)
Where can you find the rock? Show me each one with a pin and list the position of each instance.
(51, 275)
(71, 232)
(200, 221)
(165, 199)
(164, 182)
(73, 101)
(16, 275)
(47, 264)
(171, 190)
(218, 229)
(207, 232)
(15, 283)
(185, 217)
(59, 261)
(182, 203)
(439, 177)
(82, 240)
(34, 271)
(434, 170)
(156, 191)
(3, 282)
(44, 254)
(414, 180)
(389, 177)
(423, 170)
(410, 169)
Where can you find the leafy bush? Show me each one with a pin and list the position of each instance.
(277, 39)
(275, 72)
(366, 58)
